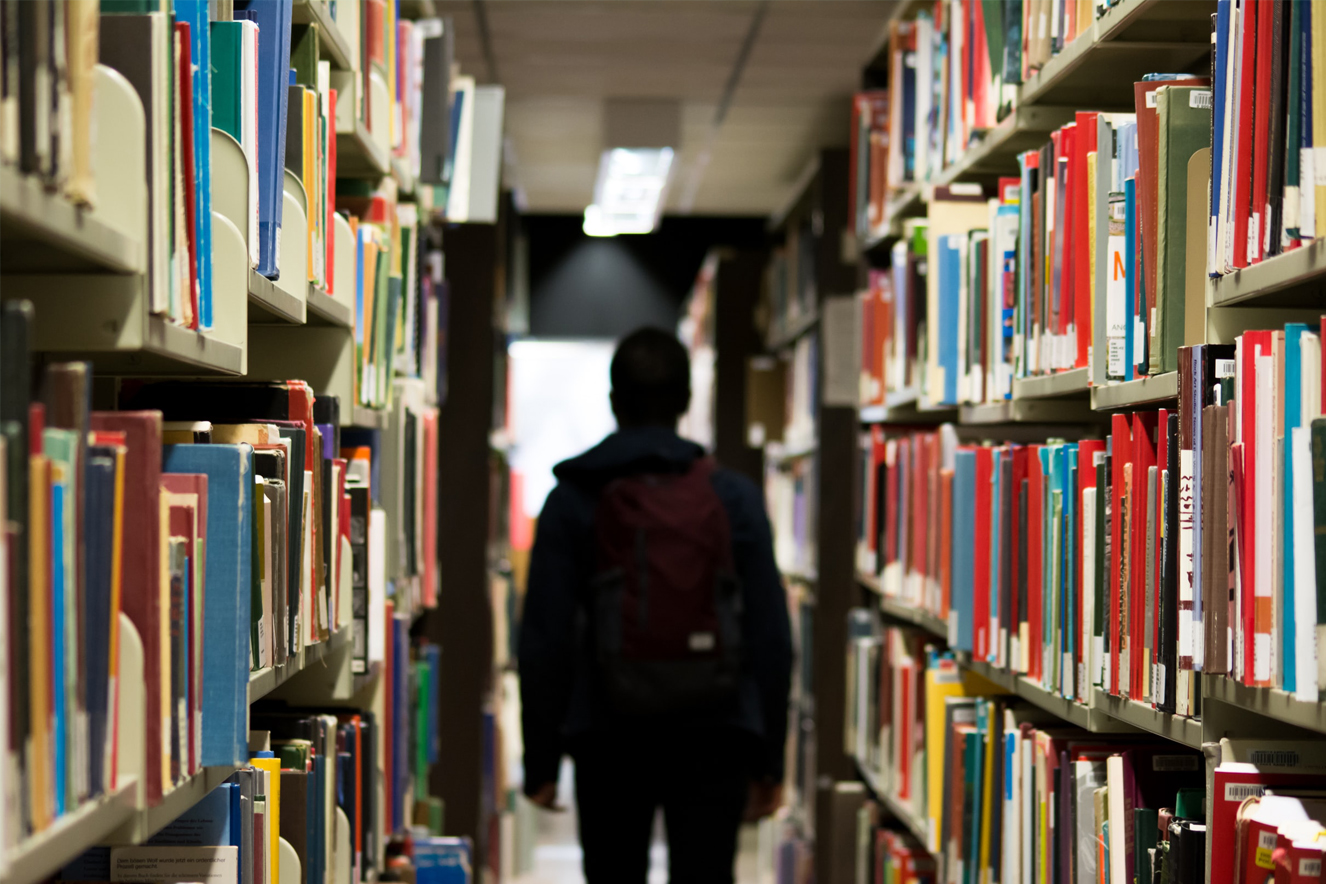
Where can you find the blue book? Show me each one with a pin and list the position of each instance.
(208, 823)
(99, 532)
(964, 539)
(196, 14)
(226, 606)
(59, 736)
(433, 654)
(273, 20)
(1293, 418)
(950, 281)
(1130, 277)
(1072, 555)
(449, 860)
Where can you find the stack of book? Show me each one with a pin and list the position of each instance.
(1084, 251)
(989, 787)
(1130, 563)
(1266, 190)
(953, 73)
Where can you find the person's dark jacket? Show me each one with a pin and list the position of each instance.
(559, 702)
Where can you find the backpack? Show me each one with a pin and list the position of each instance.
(666, 600)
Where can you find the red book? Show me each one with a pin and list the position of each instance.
(1144, 457)
(1148, 200)
(141, 563)
(184, 96)
(1162, 460)
(1035, 570)
(1016, 549)
(920, 510)
(945, 543)
(1067, 306)
(1261, 134)
(1241, 203)
(1250, 345)
(1122, 454)
(981, 75)
(1084, 143)
(981, 562)
(890, 550)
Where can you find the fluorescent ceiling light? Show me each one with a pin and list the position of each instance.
(628, 195)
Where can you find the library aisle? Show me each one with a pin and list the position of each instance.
(1009, 313)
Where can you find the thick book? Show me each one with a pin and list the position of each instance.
(228, 571)
(273, 20)
(141, 551)
(1183, 128)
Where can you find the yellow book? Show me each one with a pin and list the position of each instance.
(39, 666)
(273, 768)
(994, 724)
(311, 179)
(943, 679)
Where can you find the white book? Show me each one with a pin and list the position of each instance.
(249, 124)
(1119, 873)
(175, 865)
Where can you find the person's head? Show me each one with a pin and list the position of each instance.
(651, 379)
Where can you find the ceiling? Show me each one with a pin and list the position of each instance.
(559, 59)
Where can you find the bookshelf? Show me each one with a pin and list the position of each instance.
(42, 230)
(87, 266)
(1046, 404)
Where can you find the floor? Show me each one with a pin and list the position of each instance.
(557, 851)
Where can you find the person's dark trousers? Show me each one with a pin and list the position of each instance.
(698, 777)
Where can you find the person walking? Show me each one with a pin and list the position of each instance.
(655, 647)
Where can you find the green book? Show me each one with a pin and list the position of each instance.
(304, 54)
(1146, 833)
(1184, 127)
(226, 79)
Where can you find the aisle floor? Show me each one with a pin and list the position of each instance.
(557, 850)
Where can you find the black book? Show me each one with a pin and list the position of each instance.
(435, 126)
(179, 660)
(359, 511)
(16, 319)
(99, 540)
(295, 539)
(1273, 222)
(327, 412)
(880, 504)
(1169, 572)
(409, 496)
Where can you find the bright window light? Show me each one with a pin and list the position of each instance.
(628, 195)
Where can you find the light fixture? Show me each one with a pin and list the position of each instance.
(634, 166)
(628, 195)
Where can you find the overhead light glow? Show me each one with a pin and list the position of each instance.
(628, 195)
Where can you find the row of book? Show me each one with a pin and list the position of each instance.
(1269, 73)
(1001, 791)
(246, 70)
(1181, 542)
(953, 74)
(319, 783)
(234, 524)
(1084, 250)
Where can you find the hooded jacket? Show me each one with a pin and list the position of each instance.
(558, 700)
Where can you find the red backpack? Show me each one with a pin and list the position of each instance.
(667, 601)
